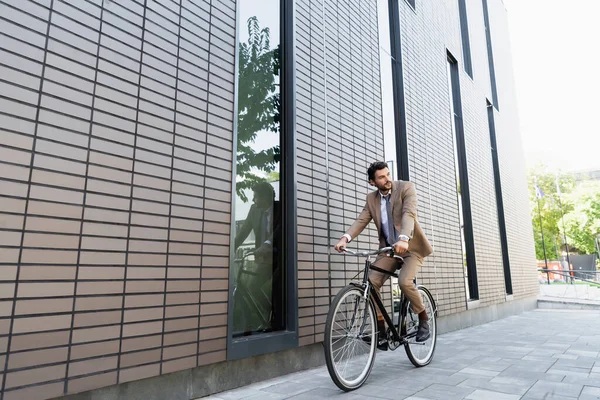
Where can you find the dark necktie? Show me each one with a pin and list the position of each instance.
(390, 221)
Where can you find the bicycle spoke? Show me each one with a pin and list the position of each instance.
(340, 338)
(344, 329)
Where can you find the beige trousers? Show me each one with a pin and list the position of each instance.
(406, 275)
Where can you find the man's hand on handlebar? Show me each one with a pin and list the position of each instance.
(341, 245)
(400, 247)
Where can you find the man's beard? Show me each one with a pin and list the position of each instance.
(387, 186)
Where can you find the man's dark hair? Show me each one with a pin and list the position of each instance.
(264, 189)
(376, 166)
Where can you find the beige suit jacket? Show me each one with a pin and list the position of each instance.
(404, 214)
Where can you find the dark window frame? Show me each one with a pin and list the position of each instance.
(490, 52)
(286, 339)
(499, 200)
(463, 179)
(466, 42)
(398, 91)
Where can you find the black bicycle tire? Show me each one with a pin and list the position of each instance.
(327, 341)
(407, 348)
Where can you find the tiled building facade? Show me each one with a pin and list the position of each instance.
(118, 141)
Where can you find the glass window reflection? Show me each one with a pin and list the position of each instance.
(258, 292)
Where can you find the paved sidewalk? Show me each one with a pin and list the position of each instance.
(541, 354)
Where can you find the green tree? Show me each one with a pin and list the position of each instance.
(259, 105)
(582, 223)
(550, 209)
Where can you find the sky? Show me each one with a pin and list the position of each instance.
(555, 48)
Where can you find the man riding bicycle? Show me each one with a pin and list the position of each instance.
(393, 209)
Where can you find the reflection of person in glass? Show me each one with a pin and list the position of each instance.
(262, 288)
(263, 216)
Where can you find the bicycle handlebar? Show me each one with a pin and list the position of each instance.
(371, 253)
(366, 253)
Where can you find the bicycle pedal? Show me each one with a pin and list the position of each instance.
(393, 345)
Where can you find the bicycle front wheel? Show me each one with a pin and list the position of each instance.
(420, 353)
(350, 338)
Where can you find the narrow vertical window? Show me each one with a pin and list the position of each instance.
(462, 181)
(262, 289)
(386, 62)
(395, 88)
(488, 39)
(499, 201)
(464, 31)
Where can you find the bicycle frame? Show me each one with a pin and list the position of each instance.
(241, 290)
(373, 293)
(368, 288)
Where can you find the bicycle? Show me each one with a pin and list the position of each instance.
(251, 302)
(352, 331)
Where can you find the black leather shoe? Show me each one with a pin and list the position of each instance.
(382, 344)
(423, 332)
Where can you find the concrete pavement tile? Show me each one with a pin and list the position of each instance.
(289, 388)
(548, 352)
(560, 346)
(565, 356)
(313, 380)
(588, 397)
(429, 371)
(535, 357)
(542, 389)
(519, 381)
(585, 353)
(391, 393)
(516, 349)
(466, 356)
(427, 380)
(513, 372)
(242, 393)
(565, 372)
(591, 391)
(579, 362)
(550, 397)
(271, 382)
(567, 337)
(266, 396)
(324, 393)
(535, 365)
(591, 380)
(445, 392)
(323, 372)
(484, 384)
(488, 395)
(497, 366)
(481, 372)
(489, 360)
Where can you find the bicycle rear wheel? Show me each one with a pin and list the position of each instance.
(419, 353)
(350, 338)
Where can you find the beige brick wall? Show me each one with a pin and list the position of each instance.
(116, 130)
